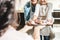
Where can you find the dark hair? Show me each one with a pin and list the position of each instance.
(3, 21)
(4, 15)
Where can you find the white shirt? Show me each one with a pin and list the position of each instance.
(48, 10)
(12, 34)
(39, 12)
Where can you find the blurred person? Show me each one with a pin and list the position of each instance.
(44, 18)
(8, 32)
(8, 26)
(5, 13)
(29, 10)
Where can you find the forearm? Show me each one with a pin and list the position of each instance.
(26, 28)
(36, 34)
(23, 30)
(35, 17)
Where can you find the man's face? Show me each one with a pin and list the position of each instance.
(43, 1)
(34, 1)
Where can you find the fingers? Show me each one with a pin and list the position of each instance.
(37, 21)
(29, 23)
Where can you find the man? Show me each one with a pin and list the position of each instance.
(44, 18)
(28, 8)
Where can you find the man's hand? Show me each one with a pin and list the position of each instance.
(29, 23)
(37, 21)
(43, 22)
(49, 22)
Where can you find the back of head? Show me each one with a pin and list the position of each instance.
(3, 19)
(4, 13)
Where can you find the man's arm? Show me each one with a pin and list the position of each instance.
(26, 28)
(35, 15)
(36, 33)
(50, 19)
(26, 11)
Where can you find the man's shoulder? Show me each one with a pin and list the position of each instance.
(28, 4)
(49, 4)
